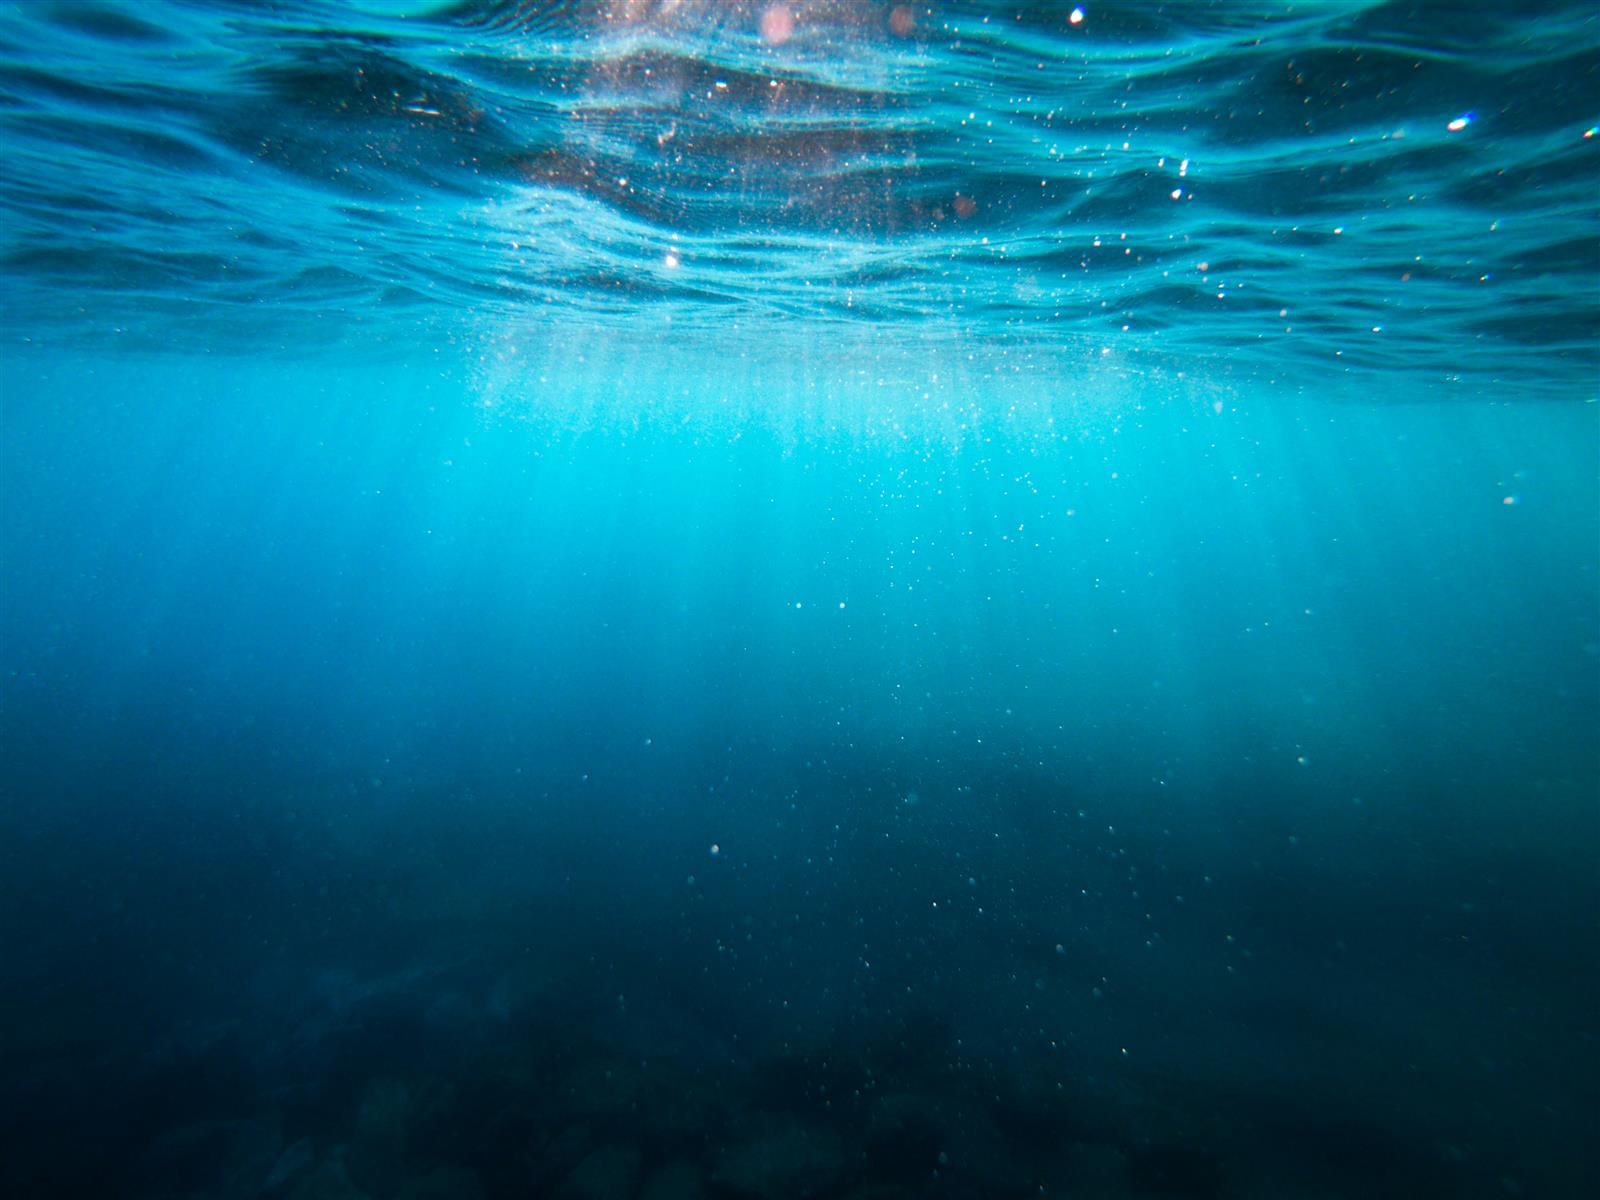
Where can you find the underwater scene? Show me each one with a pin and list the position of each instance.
(799, 599)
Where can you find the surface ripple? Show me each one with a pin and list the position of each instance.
(1328, 188)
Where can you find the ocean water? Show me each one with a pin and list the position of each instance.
(671, 599)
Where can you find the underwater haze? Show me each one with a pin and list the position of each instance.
(799, 600)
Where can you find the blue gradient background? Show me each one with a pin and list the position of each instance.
(416, 656)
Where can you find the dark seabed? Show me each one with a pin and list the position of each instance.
(671, 599)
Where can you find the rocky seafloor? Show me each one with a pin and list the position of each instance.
(426, 1086)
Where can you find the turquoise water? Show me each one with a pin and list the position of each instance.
(654, 599)
(1302, 193)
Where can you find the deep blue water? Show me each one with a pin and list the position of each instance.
(654, 599)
